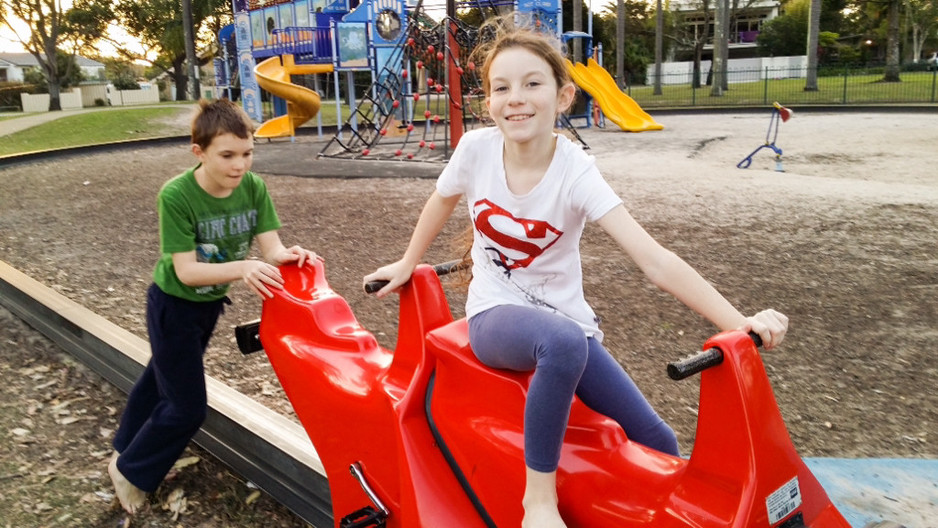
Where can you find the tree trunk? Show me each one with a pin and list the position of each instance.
(180, 78)
(55, 96)
(698, 57)
(620, 43)
(191, 58)
(892, 44)
(659, 46)
(578, 26)
(814, 28)
(725, 46)
(717, 67)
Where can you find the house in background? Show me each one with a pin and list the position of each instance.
(14, 65)
(745, 24)
(745, 64)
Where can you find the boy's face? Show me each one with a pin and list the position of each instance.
(224, 163)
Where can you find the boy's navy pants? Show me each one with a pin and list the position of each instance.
(168, 403)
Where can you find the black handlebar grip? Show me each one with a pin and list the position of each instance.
(440, 269)
(756, 339)
(374, 286)
(701, 361)
(687, 367)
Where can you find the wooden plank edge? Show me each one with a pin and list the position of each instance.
(258, 443)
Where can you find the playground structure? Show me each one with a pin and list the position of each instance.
(302, 103)
(780, 114)
(423, 94)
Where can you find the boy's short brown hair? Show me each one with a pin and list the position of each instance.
(214, 118)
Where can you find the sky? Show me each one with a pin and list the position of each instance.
(8, 42)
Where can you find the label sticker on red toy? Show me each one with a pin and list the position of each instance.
(783, 501)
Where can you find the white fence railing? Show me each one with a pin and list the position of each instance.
(148, 95)
(40, 102)
(682, 72)
(78, 98)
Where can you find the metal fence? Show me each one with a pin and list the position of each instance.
(843, 85)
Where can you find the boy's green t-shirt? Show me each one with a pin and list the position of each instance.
(218, 229)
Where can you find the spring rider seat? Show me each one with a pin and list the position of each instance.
(779, 114)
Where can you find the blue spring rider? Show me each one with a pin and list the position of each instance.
(779, 114)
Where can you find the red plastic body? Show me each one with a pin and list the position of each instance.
(362, 403)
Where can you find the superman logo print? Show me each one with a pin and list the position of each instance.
(513, 242)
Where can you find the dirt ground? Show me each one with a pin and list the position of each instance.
(843, 242)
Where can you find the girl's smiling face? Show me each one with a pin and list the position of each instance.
(524, 99)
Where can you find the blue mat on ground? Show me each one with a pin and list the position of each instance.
(881, 489)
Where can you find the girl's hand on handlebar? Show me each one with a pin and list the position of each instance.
(396, 274)
(770, 325)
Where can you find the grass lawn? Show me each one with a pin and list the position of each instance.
(91, 128)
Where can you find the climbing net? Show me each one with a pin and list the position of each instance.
(427, 93)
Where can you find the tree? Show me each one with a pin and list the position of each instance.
(879, 20)
(620, 43)
(53, 30)
(922, 18)
(65, 62)
(121, 74)
(627, 36)
(891, 73)
(787, 33)
(814, 29)
(192, 68)
(659, 45)
(158, 25)
(695, 36)
(719, 66)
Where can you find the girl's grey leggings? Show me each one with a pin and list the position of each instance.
(565, 362)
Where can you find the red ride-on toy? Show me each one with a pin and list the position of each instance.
(425, 436)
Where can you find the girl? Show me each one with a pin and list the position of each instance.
(530, 193)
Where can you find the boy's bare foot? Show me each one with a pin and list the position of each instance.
(131, 497)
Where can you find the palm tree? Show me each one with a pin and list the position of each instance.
(814, 27)
(659, 46)
(892, 43)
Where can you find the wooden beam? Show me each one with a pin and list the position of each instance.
(261, 445)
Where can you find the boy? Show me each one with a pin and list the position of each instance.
(208, 217)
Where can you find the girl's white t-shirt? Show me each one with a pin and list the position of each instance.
(526, 248)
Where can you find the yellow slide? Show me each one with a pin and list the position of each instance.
(617, 106)
(302, 103)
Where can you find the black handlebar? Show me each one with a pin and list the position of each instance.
(440, 269)
(687, 367)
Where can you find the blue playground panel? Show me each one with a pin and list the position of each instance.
(881, 489)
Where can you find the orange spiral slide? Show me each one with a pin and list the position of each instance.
(273, 75)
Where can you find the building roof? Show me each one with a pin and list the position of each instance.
(28, 60)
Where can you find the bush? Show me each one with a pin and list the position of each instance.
(10, 94)
(99, 102)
